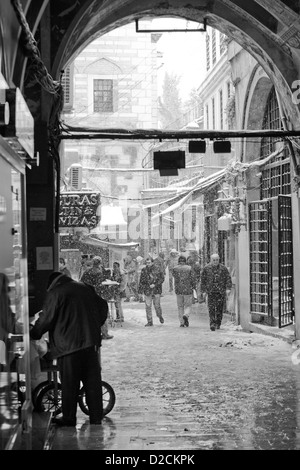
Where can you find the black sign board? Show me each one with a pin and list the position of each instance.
(79, 209)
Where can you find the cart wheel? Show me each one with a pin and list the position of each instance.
(47, 401)
(37, 390)
(108, 399)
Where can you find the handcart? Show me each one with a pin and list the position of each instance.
(46, 397)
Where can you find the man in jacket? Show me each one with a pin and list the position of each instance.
(172, 261)
(73, 315)
(94, 276)
(216, 284)
(150, 285)
(118, 276)
(184, 284)
(130, 267)
(140, 264)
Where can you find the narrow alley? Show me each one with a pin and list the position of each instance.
(192, 389)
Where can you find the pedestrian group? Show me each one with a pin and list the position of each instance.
(141, 280)
(75, 314)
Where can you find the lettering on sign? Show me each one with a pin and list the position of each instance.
(79, 209)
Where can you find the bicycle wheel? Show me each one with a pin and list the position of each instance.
(47, 401)
(108, 399)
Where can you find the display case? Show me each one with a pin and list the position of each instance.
(15, 382)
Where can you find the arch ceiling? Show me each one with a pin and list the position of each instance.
(267, 29)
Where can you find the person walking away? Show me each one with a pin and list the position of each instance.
(185, 282)
(151, 286)
(94, 276)
(216, 285)
(130, 268)
(172, 261)
(159, 263)
(63, 268)
(86, 263)
(120, 277)
(139, 266)
(196, 270)
(73, 314)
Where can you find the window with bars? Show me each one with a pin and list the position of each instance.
(275, 181)
(221, 109)
(222, 43)
(207, 52)
(67, 84)
(214, 46)
(207, 116)
(228, 90)
(271, 120)
(103, 96)
(260, 268)
(276, 176)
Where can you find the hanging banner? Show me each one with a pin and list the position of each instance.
(79, 209)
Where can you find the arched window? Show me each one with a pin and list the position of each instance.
(271, 120)
(276, 175)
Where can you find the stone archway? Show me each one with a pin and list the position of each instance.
(259, 89)
(268, 30)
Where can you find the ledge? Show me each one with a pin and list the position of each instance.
(286, 334)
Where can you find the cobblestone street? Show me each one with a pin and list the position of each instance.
(191, 388)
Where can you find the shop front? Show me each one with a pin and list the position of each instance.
(15, 380)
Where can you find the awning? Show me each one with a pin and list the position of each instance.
(90, 240)
(203, 184)
(209, 181)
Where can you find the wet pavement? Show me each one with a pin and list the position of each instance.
(191, 388)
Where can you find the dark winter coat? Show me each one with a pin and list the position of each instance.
(151, 275)
(73, 314)
(94, 277)
(215, 279)
(66, 271)
(184, 279)
(172, 261)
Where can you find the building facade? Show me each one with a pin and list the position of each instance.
(37, 41)
(111, 84)
(266, 259)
